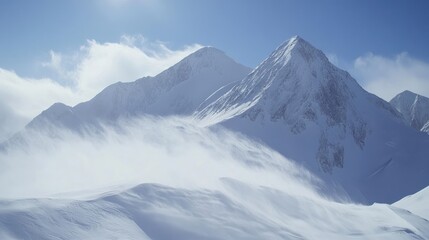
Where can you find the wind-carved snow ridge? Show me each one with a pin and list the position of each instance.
(414, 108)
(297, 85)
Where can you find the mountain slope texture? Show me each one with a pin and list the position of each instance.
(178, 90)
(301, 105)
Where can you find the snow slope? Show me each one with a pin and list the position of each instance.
(414, 108)
(416, 203)
(151, 211)
(178, 90)
(185, 182)
(301, 105)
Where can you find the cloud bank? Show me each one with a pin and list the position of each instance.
(78, 76)
(387, 77)
(23, 98)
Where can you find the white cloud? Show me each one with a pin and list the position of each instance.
(387, 77)
(55, 61)
(81, 75)
(23, 98)
(102, 64)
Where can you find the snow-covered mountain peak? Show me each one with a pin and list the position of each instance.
(297, 89)
(414, 108)
(407, 93)
(298, 50)
(205, 61)
(178, 90)
(208, 51)
(206, 57)
(295, 75)
(56, 112)
(408, 97)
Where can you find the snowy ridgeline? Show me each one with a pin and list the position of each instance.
(280, 152)
(301, 105)
(178, 90)
(295, 101)
(181, 182)
(152, 211)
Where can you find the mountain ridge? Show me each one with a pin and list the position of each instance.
(306, 108)
(168, 93)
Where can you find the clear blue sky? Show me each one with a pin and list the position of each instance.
(247, 30)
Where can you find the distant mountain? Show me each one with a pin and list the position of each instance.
(178, 90)
(303, 106)
(414, 108)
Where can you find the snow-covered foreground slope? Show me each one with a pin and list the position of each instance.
(151, 211)
(416, 203)
(160, 178)
(414, 108)
(312, 112)
(178, 90)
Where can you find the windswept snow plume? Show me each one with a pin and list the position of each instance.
(169, 151)
(166, 178)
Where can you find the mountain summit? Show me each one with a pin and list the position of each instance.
(178, 90)
(303, 106)
(414, 108)
(298, 86)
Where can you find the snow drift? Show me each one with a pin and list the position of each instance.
(167, 178)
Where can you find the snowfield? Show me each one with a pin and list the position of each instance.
(178, 181)
(241, 211)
